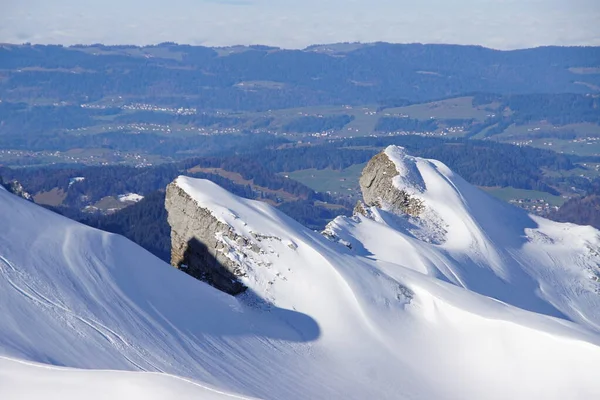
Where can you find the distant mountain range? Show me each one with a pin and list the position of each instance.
(261, 78)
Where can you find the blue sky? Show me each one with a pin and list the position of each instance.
(503, 24)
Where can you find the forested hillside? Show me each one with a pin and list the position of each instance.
(99, 127)
(583, 210)
(258, 78)
(92, 194)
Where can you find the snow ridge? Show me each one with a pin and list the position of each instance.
(477, 242)
(501, 305)
(409, 178)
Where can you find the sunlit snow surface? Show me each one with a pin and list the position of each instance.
(130, 197)
(20, 380)
(473, 300)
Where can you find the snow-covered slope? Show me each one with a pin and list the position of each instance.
(395, 317)
(25, 380)
(475, 241)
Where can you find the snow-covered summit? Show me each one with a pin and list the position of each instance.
(420, 306)
(464, 236)
(408, 177)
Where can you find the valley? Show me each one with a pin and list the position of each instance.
(242, 112)
(282, 200)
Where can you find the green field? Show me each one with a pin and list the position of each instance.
(586, 141)
(345, 182)
(109, 203)
(365, 117)
(581, 129)
(510, 193)
(329, 180)
(459, 107)
(580, 147)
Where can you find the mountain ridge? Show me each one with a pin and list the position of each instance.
(366, 75)
(319, 319)
(466, 226)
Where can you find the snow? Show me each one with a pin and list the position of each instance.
(488, 246)
(76, 179)
(21, 380)
(130, 197)
(498, 304)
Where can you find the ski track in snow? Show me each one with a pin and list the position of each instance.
(21, 285)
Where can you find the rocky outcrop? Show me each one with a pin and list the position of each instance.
(17, 189)
(199, 242)
(378, 189)
(360, 209)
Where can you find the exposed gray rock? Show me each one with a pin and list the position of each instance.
(360, 209)
(17, 189)
(199, 243)
(376, 184)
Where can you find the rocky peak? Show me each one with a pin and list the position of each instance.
(390, 181)
(199, 242)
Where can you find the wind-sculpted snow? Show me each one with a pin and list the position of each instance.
(25, 380)
(488, 246)
(395, 316)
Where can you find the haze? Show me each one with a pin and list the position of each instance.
(503, 24)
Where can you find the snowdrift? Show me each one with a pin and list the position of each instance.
(473, 299)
